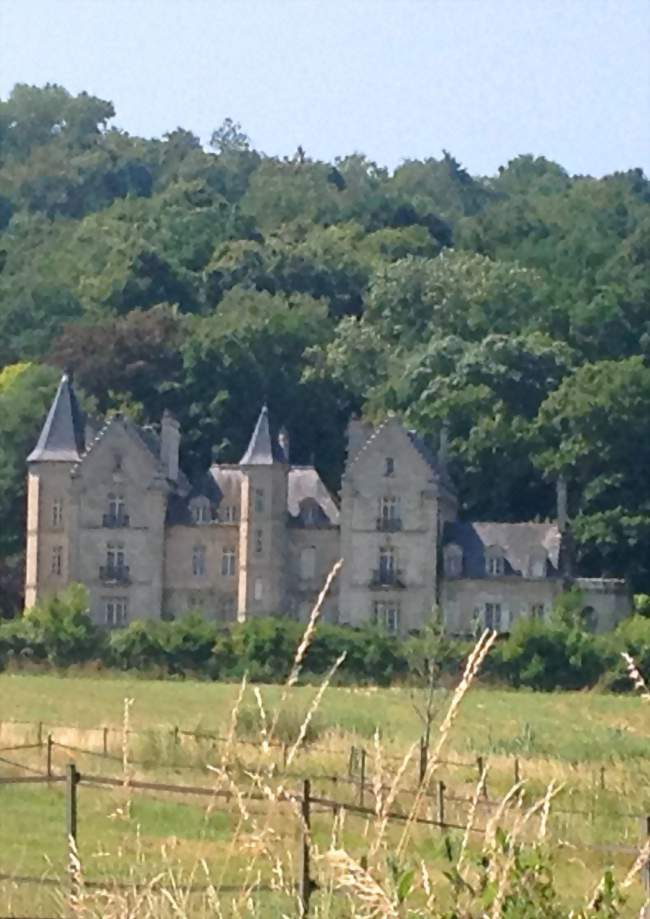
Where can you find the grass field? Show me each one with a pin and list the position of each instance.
(567, 738)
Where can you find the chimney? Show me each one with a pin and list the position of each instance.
(562, 512)
(283, 441)
(170, 440)
(358, 434)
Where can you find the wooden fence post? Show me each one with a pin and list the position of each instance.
(71, 781)
(285, 750)
(39, 733)
(517, 771)
(440, 796)
(50, 744)
(105, 741)
(175, 733)
(424, 755)
(602, 778)
(362, 785)
(305, 877)
(351, 762)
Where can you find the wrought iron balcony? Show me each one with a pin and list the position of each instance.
(389, 524)
(114, 574)
(387, 577)
(113, 521)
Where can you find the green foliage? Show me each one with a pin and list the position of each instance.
(26, 391)
(513, 307)
(59, 630)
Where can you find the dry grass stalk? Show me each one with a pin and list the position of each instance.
(263, 723)
(234, 716)
(126, 765)
(76, 897)
(378, 774)
(636, 676)
(362, 887)
(474, 663)
(476, 797)
(641, 861)
(313, 707)
(305, 642)
(389, 800)
(551, 792)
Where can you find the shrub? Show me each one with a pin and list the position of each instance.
(58, 629)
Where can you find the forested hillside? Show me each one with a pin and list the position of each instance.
(515, 307)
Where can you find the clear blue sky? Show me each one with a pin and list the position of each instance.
(485, 79)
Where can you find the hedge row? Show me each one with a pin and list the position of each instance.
(558, 654)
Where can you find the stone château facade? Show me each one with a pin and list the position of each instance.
(114, 511)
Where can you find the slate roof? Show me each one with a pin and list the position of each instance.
(263, 449)
(425, 451)
(304, 483)
(62, 436)
(518, 541)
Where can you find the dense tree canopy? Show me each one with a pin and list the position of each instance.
(516, 308)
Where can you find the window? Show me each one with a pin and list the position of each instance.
(114, 556)
(116, 515)
(57, 561)
(386, 614)
(495, 565)
(259, 542)
(198, 561)
(258, 589)
(537, 611)
(228, 562)
(387, 566)
(389, 514)
(201, 512)
(230, 513)
(453, 561)
(259, 500)
(308, 563)
(115, 505)
(389, 466)
(116, 611)
(57, 513)
(493, 616)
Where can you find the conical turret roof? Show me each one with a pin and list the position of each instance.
(263, 450)
(62, 437)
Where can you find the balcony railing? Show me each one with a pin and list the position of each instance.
(114, 574)
(387, 577)
(113, 521)
(389, 524)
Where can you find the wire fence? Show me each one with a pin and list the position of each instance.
(303, 801)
